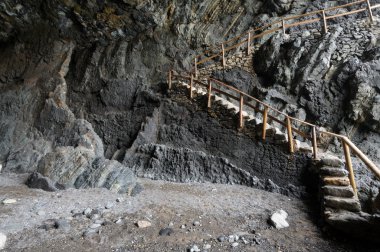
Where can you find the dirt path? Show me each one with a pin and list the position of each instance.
(197, 214)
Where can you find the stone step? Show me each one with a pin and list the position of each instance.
(349, 204)
(333, 171)
(338, 191)
(336, 181)
(328, 159)
(303, 146)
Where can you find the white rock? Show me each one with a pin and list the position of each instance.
(278, 219)
(3, 240)
(41, 212)
(1, 167)
(9, 201)
(235, 244)
(194, 249)
(144, 224)
(95, 225)
(206, 246)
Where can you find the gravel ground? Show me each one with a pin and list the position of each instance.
(196, 214)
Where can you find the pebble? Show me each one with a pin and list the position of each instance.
(119, 222)
(109, 205)
(95, 225)
(94, 216)
(49, 224)
(119, 200)
(87, 211)
(194, 248)
(62, 224)
(89, 232)
(221, 238)
(183, 226)
(9, 201)
(196, 223)
(207, 246)
(3, 240)
(235, 244)
(41, 213)
(166, 232)
(143, 224)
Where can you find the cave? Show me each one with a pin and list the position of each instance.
(203, 125)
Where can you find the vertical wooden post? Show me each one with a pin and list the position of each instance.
(170, 79)
(325, 29)
(209, 93)
(191, 86)
(347, 155)
(370, 11)
(315, 147)
(196, 68)
(265, 119)
(249, 43)
(283, 27)
(223, 57)
(241, 119)
(290, 134)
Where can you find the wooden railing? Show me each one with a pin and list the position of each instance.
(282, 25)
(215, 86)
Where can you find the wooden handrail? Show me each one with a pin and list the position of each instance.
(346, 142)
(283, 27)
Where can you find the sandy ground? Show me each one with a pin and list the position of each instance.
(197, 214)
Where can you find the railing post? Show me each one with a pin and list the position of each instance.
(209, 93)
(249, 43)
(347, 155)
(196, 67)
(290, 134)
(241, 119)
(283, 27)
(370, 11)
(265, 119)
(170, 79)
(223, 57)
(315, 147)
(325, 30)
(191, 86)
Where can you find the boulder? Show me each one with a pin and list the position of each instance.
(278, 219)
(38, 181)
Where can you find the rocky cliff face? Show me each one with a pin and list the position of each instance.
(83, 97)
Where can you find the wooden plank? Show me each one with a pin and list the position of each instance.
(195, 68)
(347, 156)
(237, 45)
(265, 119)
(344, 5)
(208, 59)
(241, 119)
(370, 11)
(223, 57)
(324, 22)
(170, 79)
(363, 157)
(314, 139)
(303, 15)
(346, 13)
(375, 6)
(249, 44)
(209, 94)
(290, 134)
(225, 93)
(191, 87)
(309, 21)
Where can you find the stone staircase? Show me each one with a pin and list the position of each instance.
(340, 205)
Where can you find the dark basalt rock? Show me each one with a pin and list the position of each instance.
(37, 181)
